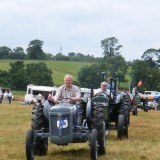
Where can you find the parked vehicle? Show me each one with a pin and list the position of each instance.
(34, 90)
(116, 111)
(152, 93)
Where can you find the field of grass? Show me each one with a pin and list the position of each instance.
(143, 142)
(59, 68)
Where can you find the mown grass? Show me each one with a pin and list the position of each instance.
(143, 142)
(59, 68)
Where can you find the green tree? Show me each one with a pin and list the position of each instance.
(152, 56)
(149, 75)
(18, 53)
(49, 56)
(149, 54)
(71, 54)
(110, 47)
(61, 57)
(34, 50)
(5, 52)
(90, 75)
(38, 74)
(17, 76)
(4, 78)
(80, 57)
(116, 66)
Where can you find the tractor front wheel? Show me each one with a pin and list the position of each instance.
(30, 144)
(134, 110)
(120, 126)
(97, 122)
(93, 145)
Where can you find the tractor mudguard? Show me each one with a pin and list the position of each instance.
(88, 110)
(96, 100)
(118, 98)
(85, 98)
(46, 108)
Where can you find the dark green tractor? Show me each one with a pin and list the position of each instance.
(114, 112)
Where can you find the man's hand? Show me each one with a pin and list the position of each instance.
(55, 99)
(73, 99)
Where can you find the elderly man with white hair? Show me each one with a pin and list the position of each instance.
(68, 91)
(104, 89)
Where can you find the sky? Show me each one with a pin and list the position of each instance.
(80, 25)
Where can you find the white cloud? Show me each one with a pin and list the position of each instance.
(80, 25)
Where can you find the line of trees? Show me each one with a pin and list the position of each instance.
(147, 69)
(35, 51)
(20, 75)
(112, 62)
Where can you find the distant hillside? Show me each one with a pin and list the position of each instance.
(59, 68)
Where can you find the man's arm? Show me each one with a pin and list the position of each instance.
(58, 94)
(78, 95)
(97, 91)
(77, 98)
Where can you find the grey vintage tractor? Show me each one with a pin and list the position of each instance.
(60, 125)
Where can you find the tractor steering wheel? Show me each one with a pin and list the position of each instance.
(102, 93)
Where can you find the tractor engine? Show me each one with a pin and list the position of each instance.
(61, 123)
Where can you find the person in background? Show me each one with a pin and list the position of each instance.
(135, 91)
(39, 98)
(156, 97)
(5, 98)
(112, 86)
(109, 80)
(10, 96)
(1, 96)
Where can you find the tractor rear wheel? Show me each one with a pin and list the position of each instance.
(38, 122)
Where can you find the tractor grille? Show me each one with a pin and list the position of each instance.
(60, 125)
